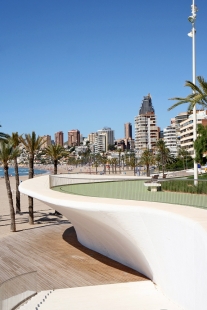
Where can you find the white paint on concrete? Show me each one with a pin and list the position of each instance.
(142, 295)
(167, 243)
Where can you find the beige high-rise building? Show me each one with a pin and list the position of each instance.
(59, 138)
(74, 137)
(186, 130)
(128, 131)
(46, 141)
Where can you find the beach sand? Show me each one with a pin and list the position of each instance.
(43, 215)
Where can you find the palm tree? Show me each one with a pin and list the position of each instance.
(199, 95)
(55, 152)
(183, 153)
(164, 154)
(6, 154)
(147, 159)
(200, 143)
(3, 136)
(14, 140)
(32, 143)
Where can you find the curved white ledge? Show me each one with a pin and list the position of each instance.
(167, 243)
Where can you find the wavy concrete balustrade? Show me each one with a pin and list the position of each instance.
(167, 243)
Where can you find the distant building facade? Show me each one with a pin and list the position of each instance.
(59, 138)
(128, 131)
(146, 130)
(170, 139)
(108, 133)
(46, 141)
(74, 137)
(186, 130)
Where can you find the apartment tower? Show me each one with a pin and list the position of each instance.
(59, 138)
(74, 137)
(146, 130)
(128, 131)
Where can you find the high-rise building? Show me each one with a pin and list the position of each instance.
(146, 130)
(46, 141)
(91, 137)
(59, 138)
(169, 137)
(109, 136)
(128, 130)
(74, 137)
(178, 119)
(186, 130)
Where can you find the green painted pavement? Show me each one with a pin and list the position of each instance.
(132, 190)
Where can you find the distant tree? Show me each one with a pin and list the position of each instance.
(55, 152)
(183, 153)
(32, 144)
(6, 154)
(111, 147)
(164, 153)
(147, 159)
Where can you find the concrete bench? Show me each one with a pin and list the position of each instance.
(153, 186)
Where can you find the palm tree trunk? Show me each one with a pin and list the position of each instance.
(9, 194)
(55, 166)
(18, 208)
(31, 214)
(31, 166)
(30, 199)
(148, 174)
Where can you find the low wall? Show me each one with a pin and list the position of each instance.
(167, 243)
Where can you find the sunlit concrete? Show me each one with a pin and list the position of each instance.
(167, 243)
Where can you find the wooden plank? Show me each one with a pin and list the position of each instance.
(60, 260)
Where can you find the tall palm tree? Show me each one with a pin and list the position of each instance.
(32, 143)
(55, 152)
(199, 95)
(6, 154)
(147, 158)
(14, 140)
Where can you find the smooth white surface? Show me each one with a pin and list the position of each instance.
(123, 296)
(167, 243)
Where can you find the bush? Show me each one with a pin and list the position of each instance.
(185, 186)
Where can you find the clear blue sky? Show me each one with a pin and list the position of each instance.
(87, 64)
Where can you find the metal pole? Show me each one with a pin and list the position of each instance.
(194, 82)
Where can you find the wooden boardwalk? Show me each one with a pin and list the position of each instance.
(59, 259)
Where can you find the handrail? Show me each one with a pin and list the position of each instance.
(16, 290)
(57, 180)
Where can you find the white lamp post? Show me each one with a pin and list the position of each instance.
(192, 34)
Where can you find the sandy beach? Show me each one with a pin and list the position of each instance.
(43, 215)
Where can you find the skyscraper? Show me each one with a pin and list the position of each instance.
(146, 131)
(74, 137)
(59, 138)
(128, 131)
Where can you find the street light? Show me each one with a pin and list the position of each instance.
(192, 34)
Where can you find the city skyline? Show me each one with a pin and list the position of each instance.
(86, 66)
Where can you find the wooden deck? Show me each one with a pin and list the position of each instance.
(59, 259)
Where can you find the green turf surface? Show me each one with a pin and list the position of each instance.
(132, 190)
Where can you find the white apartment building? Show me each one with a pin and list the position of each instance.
(101, 143)
(170, 139)
(186, 130)
(109, 134)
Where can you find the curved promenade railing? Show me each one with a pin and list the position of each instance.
(17, 289)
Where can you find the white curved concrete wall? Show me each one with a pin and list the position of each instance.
(167, 243)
